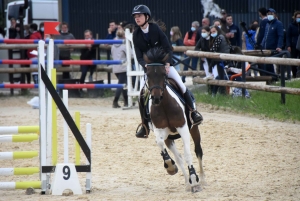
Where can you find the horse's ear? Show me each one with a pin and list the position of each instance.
(146, 59)
(164, 60)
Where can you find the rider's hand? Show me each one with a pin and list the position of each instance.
(278, 49)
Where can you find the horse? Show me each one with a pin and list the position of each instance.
(169, 121)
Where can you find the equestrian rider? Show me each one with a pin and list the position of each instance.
(149, 35)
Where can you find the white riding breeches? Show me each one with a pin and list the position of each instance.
(172, 74)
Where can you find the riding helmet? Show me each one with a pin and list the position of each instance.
(141, 9)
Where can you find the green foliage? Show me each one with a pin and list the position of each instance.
(261, 103)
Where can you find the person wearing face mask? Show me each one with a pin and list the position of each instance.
(217, 22)
(203, 45)
(190, 39)
(176, 40)
(292, 39)
(149, 35)
(88, 53)
(273, 37)
(65, 54)
(41, 30)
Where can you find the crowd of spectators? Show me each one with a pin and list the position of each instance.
(218, 36)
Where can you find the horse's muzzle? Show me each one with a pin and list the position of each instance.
(156, 100)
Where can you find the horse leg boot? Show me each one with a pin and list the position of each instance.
(144, 130)
(196, 117)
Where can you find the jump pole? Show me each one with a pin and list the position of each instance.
(43, 121)
(18, 129)
(19, 138)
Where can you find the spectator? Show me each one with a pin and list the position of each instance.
(176, 40)
(13, 29)
(56, 49)
(65, 54)
(262, 12)
(34, 34)
(232, 32)
(190, 40)
(218, 43)
(26, 31)
(205, 22)
(223, 19)
(217, 22)
(112, 29)
(41, 29)
(273, 37)
(293, 34)
(88, 53)
(203, 45)
(249, 43)
(118, 52)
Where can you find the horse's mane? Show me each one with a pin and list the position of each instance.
(156, 55)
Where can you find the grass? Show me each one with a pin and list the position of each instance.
(266, 104)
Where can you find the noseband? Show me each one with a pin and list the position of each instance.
(154, 65)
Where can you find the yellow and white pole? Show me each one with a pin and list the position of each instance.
(77, 147)
(19, 138)
(20, 185)
(18, 155)
(19, 171)
(18, 129)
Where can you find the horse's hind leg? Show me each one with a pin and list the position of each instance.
(195, 133)
(185, 136)
(172, 147)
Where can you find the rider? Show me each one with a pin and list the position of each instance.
(149, 35)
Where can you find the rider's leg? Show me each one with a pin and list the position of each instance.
(142, 133)
(196, 116)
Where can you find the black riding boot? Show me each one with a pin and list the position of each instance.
(144, 130)
(196, 117)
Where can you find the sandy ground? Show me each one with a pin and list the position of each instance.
(245, 158)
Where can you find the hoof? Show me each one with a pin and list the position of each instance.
(195, 189)
(171, 167)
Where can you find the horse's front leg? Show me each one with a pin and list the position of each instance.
(194, 179)
(169, 164)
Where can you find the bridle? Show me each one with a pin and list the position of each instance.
(154, 65)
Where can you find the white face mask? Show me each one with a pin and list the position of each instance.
(42, 29)
(193, 29)
(204, 35)
(270, 17)
(171, 33)
(214, 35)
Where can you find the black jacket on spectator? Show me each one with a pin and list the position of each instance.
(261, 33)
(154, 38)
(293, 33)
(88, 54)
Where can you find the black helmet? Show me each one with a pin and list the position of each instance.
(141, 9)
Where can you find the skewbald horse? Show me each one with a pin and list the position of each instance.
(168, 118)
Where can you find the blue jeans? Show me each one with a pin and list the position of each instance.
(194, 65)
(177, 67)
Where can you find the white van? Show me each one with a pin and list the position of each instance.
(38, 11)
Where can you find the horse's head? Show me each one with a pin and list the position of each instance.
(156, 73)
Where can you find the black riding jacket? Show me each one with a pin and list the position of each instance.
(154, 38)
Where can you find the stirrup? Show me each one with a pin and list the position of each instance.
(145, 127)
(192, 120)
